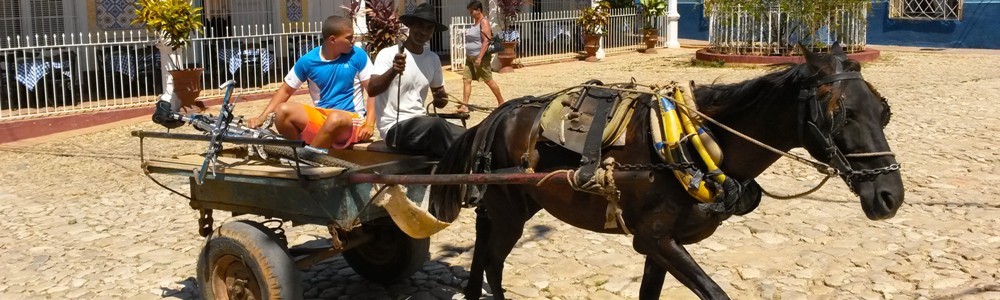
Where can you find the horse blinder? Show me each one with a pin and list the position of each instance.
(886, 112)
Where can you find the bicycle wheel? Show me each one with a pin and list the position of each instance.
(309, 157)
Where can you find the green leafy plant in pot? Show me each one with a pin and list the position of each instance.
(172, 21)
(384, 29)
(651, 10)
(593, 21)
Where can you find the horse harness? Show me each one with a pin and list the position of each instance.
(818, 125)
(594, 175)
(815, 131)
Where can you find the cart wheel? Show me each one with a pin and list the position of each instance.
(390, 256)
(244, 260)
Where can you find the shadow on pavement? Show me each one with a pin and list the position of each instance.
(971, 292)
(334, 279)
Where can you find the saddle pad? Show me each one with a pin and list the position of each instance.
(566, 119)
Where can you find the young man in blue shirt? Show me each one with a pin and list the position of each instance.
(341, 71)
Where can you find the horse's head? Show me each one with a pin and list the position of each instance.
(841, 123)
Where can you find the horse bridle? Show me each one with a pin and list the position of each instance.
(817, 130)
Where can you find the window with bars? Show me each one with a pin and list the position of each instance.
(556, 5)
(926, 9)
(10, 19)
(228, 13)
(35, 17)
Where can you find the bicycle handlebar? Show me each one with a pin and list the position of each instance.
(227, 84)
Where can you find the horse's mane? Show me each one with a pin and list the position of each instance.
(721, 99)
(724, 99)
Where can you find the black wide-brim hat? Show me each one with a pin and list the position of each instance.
(424, 12)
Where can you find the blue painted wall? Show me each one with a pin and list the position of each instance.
(979, 27)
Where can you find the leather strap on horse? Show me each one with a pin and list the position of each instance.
(484, 143)
(592, 148)
(526, 158)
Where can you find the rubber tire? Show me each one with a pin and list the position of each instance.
(309, 156)
(390, 256)
(269, 261)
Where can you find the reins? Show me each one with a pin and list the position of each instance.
(452, 99)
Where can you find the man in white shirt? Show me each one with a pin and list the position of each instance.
(399, 103)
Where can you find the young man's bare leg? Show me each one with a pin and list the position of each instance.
(496, 90)
(290, 120)
(336, 130)
(466, 93)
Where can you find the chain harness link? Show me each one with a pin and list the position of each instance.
(870, 174)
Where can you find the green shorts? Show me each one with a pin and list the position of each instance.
(483, 73)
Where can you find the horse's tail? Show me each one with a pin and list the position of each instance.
(446, 200)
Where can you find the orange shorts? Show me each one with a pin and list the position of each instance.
(317, 116)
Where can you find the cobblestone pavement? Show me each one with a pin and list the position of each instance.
(92, 226)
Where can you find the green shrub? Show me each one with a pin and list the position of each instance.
(171, 20)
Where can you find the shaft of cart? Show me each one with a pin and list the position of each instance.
(489, 178)
(222, 138)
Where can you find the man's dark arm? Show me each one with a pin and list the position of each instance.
(380, 83)
(440, 96)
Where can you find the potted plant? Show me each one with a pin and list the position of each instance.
(172, 21)
(651, 10)
(384, 28)
(509, 40)
(508, 34)
(593, 20)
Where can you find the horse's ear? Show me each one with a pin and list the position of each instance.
(837, 50)
(809, 55)
(812, 59)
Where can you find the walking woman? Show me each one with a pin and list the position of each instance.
(477, 61)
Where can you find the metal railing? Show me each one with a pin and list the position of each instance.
(554, 36)
(53, 74)
(257, 57)
(740, 31)
(47, 75)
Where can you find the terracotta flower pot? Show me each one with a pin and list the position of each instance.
(650, 37)
(590, 44)
(187, 85)
(507, 57)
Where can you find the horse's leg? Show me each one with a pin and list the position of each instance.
(652, 279)
(474, 288)
(679, 263)
(508, 212)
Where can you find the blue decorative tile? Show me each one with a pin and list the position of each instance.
(116, 14)
(410, 6)
(294, 10)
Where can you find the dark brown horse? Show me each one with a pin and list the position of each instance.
(823, 105)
